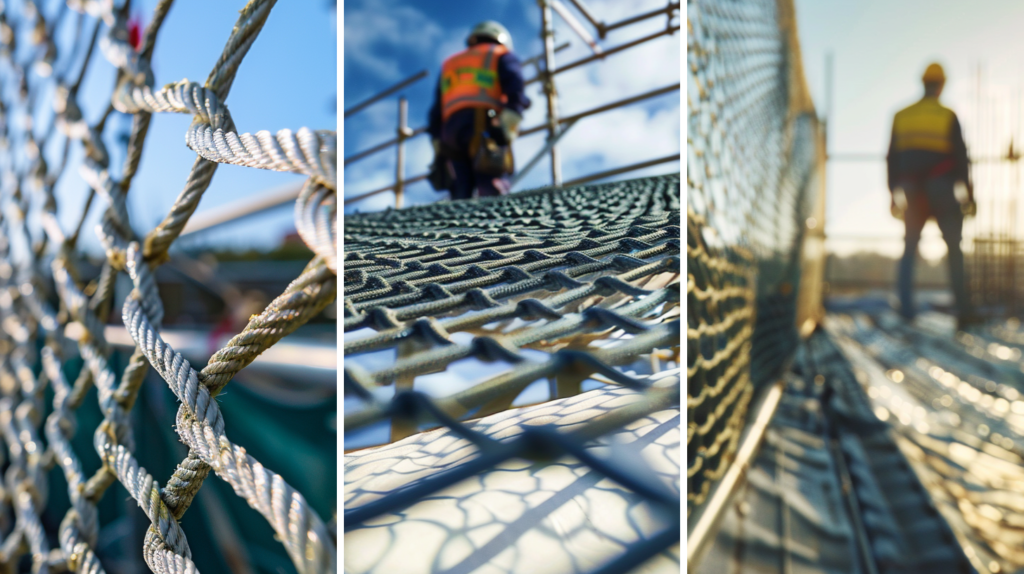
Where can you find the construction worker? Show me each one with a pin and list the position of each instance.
(476, 114)
(927, 159)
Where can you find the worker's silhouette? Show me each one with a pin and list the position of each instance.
(476, 114)
(927, 157)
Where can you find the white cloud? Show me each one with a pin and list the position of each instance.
(376, 28)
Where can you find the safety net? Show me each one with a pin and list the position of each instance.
(53, 345)
(512, 382)
(754, 204)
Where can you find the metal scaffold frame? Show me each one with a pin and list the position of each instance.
(554, 125)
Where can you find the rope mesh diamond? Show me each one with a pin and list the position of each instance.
(28, 318)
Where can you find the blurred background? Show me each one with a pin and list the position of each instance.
(389, 42)
(878, 51)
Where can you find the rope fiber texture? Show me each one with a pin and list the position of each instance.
(577, 286)
(50, 254)
(752, 150)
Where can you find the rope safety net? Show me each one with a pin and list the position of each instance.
(506, 348)
(753, 151)
(32, 444)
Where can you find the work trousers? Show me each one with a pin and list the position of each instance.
(456, 136)
(933, 198)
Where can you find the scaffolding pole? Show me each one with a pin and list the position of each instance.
(404, 133)
(548, 37)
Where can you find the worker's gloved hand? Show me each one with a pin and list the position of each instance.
(510, 121)
(969, 208)
(896, 210)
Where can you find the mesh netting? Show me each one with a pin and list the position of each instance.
(455, 312)
(49, 270)
(752, 152)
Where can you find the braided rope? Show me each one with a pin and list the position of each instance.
(25, 314)
(201, 426)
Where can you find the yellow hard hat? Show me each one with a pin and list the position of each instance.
(933, 73)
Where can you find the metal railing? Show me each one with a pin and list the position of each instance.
(554, 125)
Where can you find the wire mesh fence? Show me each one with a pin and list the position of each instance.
(753, 151)
(456, 312)
(37, 333)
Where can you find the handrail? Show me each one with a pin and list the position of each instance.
(551, 142)
(382, 146)
(387, 92)
(620, 170)
(666, 32)
(532, 61)
(605, 28)
(390, 187)
(701, 536)
(606, 107)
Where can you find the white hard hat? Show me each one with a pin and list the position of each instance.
(493, 30)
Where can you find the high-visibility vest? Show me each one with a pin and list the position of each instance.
(923, 126)
(469, 79)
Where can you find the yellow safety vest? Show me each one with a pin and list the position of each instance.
(923, 126)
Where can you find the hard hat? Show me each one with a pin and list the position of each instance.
(493, 30)
(933, 73)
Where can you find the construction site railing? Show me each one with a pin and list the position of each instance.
(545, 73)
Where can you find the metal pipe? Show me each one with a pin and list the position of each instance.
(410, 80)
(403, 133)
(604, 29)
(388, 187)
(586, 13)
(828, 101)
(535, 59)
(575, 25)
(700, 537)
(618, 170)
(242, 208)
(382, 146)
(548, 37)
(543, 151)
(881, 157)
(606, 107)
(608, 52)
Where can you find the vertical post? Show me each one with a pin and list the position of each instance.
(548, 37)
(828, 98)
(403, 133)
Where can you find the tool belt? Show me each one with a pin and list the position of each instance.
(489, 151)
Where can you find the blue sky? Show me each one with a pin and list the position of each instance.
(288, 80)
(388, 40)
(881, 48)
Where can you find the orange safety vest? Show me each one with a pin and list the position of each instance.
(469, 79)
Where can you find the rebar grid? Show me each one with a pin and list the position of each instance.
(555, 284)
(27, 317)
